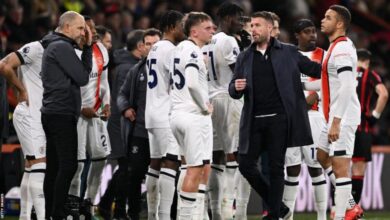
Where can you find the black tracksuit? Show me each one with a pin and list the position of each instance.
(63, 73)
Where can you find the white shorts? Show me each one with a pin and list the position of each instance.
(343, 146)
(226, 123)
(163, 144)
(30, 132)
(194, 135)
(295, 155)
(92, 138)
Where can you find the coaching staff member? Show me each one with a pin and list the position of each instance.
(62, 75)
(274, 115)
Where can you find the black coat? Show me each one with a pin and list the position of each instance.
(124, 61)
(288, 64)
(129, 96)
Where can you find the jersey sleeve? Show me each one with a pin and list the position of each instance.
(230, 50)
(29, 52)
(375, 78)
(193, 58)
(343, 57)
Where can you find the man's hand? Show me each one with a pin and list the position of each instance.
(334, 131)
(88, 36)
(88, 112)
(130, 114)
(210, 108)
(106, 112)
(23, 97)
(240, 84)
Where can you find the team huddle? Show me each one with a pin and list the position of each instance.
(201, 103)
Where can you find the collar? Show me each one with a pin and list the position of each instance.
(337, 38)
(275, 43)
(66, 38)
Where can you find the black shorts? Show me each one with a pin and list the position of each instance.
(362, 150)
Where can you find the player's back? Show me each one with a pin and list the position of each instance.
(342, 57)
(221, 52)
(157, 95)
(186, 55)
(30, 74)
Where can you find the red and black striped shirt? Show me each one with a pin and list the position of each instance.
(368, 80)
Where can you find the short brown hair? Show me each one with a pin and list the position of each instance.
(194, 18)
(152, 32)
(343, 13)
(275, 16)
(263, 14)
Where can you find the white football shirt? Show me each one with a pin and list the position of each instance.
(185, 55)
(221, 52)
(157, 95)
(29, 72)
(343, 56)
(88, 92)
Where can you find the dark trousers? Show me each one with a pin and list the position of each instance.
(61, 161)
(268, 134)
(139, 159)
(115, 189)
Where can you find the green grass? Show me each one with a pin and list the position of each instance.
(309, 216)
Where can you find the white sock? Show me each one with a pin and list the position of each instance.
(291, 186)
(199, 209)
(94, 179)
(216, 183)
(242, 196)
(320, 196)
(26, 202)
(35, 185)
(74, 188)
(206, 207)
(183, 172)
(166, 186)
(229, 188)
(341, 196)
(351, 202)
(188, 203)
(152, 192)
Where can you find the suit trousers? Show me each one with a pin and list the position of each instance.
(61, 161)
(268, 134)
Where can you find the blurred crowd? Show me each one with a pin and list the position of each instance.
(23, 21)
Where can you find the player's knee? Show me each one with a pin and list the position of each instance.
(314, 172)
(293, 171)
(323, 158)
(219, 157)
(170, 164)
(155, 164)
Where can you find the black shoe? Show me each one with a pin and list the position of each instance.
(134, 216)
(124, 217)
(85, 209)
(285, 212)
(120, 215)
(73, 203)
(104, 212)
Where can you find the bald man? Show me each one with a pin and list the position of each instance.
(63, 73)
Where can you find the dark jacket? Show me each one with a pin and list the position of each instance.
(63, 73)
(287, 64)
(124, 61)
(133, 95)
